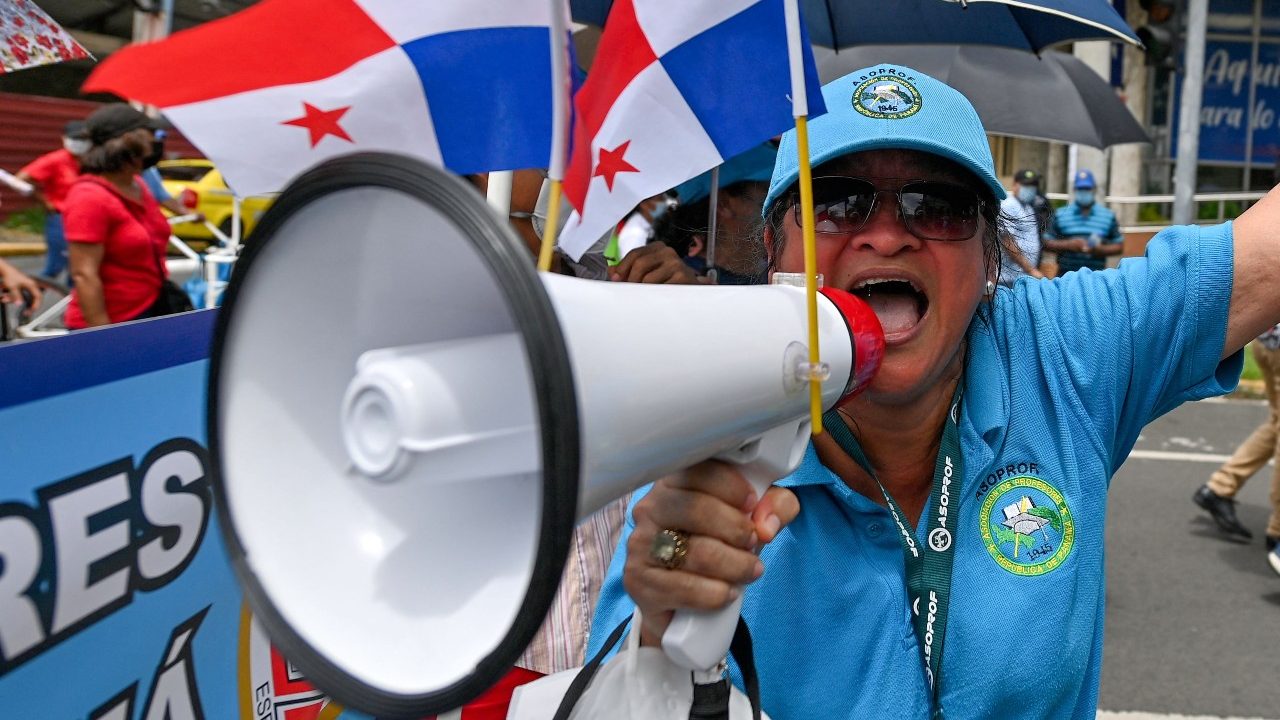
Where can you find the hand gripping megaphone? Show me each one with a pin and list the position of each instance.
(407, 421)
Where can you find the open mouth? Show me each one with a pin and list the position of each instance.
(898, 303)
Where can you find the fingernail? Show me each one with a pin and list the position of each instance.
(753, 541)
(752, 501)
(759, 569)
(772, 524)
(734, 593)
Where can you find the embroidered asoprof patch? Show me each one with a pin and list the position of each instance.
(1027, 526)
(887, 95)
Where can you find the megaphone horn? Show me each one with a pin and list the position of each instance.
(406, 421)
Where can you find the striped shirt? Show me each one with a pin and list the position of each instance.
(562, 640)
(1071, 221)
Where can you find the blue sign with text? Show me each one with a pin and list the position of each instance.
(1225, 113)
(117, 600)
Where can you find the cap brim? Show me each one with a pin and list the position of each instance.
(932, 147)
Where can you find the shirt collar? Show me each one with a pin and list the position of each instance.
(983, 411)
(99, 180)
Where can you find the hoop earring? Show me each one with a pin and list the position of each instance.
(991, 289)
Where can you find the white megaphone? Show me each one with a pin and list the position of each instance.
(407, 421)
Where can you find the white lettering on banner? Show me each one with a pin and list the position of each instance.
(95, 539)
(1215, 116)
(174, 694)
(79, 550)
(1221, 70)
(173, 511)
(119, 707)
(20, 626)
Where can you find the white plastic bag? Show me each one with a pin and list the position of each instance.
(639, 683)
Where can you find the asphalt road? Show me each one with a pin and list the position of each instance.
(1193, 621)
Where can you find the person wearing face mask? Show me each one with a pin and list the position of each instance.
(1082, 232)
(739, 256)
(1021, 251)
(51, 175)
(116, 232)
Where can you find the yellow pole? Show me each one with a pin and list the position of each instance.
(810, 271)
(549, 232)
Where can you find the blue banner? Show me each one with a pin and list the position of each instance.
(1225, 110)
(116, 597)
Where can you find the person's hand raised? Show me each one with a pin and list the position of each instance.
(655, 263)
(18, 288)
(714, 506)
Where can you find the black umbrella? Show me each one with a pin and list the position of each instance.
(1029, 25)
(1051, 97)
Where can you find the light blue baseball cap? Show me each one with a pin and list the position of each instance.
(755, 164)
(890, 107)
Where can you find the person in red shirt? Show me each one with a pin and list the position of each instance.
(52, 175)
(116, 232)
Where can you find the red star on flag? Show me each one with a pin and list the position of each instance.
(321, 122)
(612, 162)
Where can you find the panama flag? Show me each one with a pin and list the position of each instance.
(278, 87)
(677, 88)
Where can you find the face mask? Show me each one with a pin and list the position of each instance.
(76, 147)
(157, 154)
(1026, 195)
(1084, 198)
(661, 209)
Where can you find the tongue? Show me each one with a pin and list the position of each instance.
(897, 312)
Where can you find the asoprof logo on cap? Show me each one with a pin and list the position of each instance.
(887, 94)
(1027, 526)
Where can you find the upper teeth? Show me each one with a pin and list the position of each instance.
(877, 281)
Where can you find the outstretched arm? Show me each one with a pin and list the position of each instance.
(1255, 296)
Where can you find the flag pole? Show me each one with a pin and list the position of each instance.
(713, 204)
(559, 128)
(800, 110)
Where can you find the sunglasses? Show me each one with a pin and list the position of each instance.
(930, 210)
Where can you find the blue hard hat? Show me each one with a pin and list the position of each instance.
(890, 107)
(1084, 180)
(755, 164)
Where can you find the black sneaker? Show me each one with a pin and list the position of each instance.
(1273, 557)
(1272, 542)
(1223, 511)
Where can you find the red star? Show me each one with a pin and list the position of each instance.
(321, 123)
(611, 163)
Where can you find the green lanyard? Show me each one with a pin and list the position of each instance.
(928, 568)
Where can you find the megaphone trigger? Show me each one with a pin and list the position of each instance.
(698, 640)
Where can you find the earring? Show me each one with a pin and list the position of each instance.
(991, 289)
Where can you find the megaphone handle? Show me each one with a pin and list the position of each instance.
(699, 639)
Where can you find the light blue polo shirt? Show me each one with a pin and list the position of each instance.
(1059, 383)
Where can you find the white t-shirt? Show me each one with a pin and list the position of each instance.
(1025, 229)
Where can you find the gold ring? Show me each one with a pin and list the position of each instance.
(670, 547)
